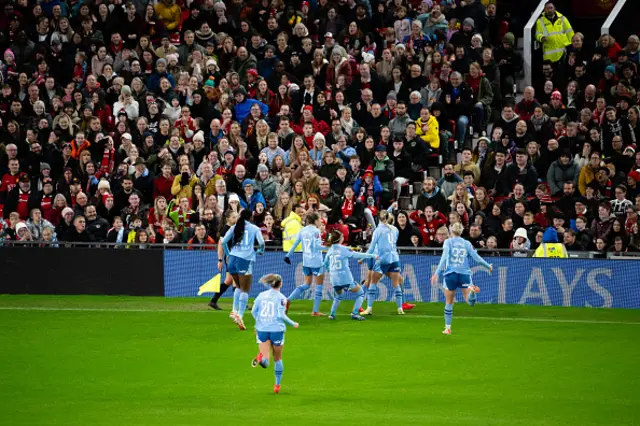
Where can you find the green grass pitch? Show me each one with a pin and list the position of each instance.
(83, 360)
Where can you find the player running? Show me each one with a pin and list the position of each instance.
(230, 219)
(311, 261)
(384, 241)
(242, 254)
(271, 319)
(454, 268)
(337, 263)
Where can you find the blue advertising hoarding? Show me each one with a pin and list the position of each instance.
(551, 282)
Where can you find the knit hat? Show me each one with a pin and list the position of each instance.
(545, 199)
(161, 61)
(478, 36)
(392, 95)
(635, 175)
(240, 90)
(381, 148)
(253, 72)
(611, 69)
(470, 22)
(210, 82)
(367, 57)
(308, 108)
(234, 197)
(509, 38)
(248, 182)
(556, 95)
(45, 166)
(550, 236)
(199, 136)
(521, 232)
(10, 53)
(171, 57)
(319, 136)
(631, 148)
(369, 171)
(261, 168)
(104, 184)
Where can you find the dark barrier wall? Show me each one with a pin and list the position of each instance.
(557, 282)
(81, 271)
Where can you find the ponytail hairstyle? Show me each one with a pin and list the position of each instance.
(311, 218)
(238, 231)
(386, 218)
(272, 280)
(333, 238)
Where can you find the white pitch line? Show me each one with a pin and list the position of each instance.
(551, 320)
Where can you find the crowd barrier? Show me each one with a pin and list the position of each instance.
(551, 282)
(186, 273)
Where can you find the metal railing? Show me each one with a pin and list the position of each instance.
(606, 27)
(435, 251)
(530, 44)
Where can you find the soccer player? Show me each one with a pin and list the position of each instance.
(271, 319)
(311, 261)
(242, 254)
(337, 263)
(454, 268)
(230, 219)
(384, 241)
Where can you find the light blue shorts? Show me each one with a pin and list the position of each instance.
(455, 280)
(276, 337)
(316, 272)
(239, 266)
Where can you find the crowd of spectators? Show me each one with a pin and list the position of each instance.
(154, 122)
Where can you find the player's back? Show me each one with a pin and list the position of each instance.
(338, 261)
(457, 251)
(268, 304)
(386, 243)
(245, 247)
(311, 247)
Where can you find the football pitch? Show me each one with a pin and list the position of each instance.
(85, 360)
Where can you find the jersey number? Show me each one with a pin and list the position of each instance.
(268, 310)
(307, 245)
(336, 263)
(458, 255)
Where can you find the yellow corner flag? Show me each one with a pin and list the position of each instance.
(211, 286)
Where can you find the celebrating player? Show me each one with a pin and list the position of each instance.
(337, 263)
(271, 319)
(241, 257)
(311, 261)
(230, 219)
(454, 268)
(384, 241)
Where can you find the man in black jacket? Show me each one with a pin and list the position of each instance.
(78, 232)
(22, 198)
(96, 226)
(329, 199)
(457, 98)
(521, 172)
(431, 196)
(494, 173)
(143, 180)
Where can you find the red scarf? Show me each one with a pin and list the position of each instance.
(107, 164)
(347, 208)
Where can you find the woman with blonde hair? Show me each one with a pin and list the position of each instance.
(456, 273)
(461, 195)
(383, 244)
(283, 207)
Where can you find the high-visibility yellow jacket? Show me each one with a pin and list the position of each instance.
(552, 250)
(291, 227)
(558, 36)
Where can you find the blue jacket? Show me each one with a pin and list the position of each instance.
(153, 83)
(244, 108)
(377, 188)
(256, 198)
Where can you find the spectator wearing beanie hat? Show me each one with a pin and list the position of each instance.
(556, 109)
(267, 185)
(251, 195)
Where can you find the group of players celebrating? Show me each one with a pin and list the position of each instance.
(270, 308)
